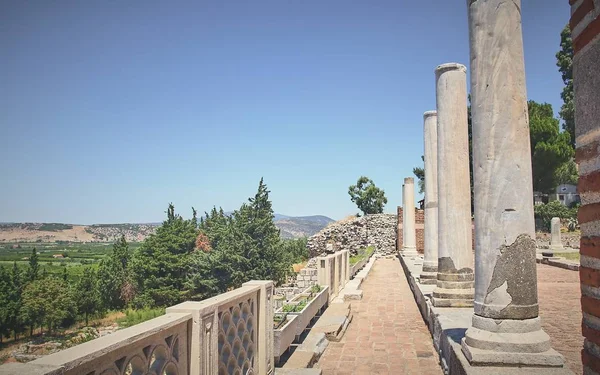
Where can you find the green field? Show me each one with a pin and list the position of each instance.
(77, 256)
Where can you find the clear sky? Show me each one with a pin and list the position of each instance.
(109, 110)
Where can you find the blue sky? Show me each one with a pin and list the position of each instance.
(111, 110)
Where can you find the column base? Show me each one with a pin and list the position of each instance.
(558, 248)
(508, 342)
(452, 297)
(428, 278)
(409, 252)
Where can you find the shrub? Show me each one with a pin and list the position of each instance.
(545, 212)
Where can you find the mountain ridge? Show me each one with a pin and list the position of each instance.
(290, 227)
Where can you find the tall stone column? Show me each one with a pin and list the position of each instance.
(555, 241)
(506, 329)
(408, 209)
(455, 245)
(430, 259)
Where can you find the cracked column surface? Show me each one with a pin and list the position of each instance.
(555, 241)
(430, 260)
(455, 251)
(506, 329)
(409, 249)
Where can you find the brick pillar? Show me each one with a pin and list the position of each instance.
(585, 31)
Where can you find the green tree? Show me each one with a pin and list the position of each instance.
(5, 292)
(46, 302)
(222, 264)
(86, 296)
(161, 264)
(550, 148)
(368, 198)
(564, 61)
(419, 172)
(567, 173)
(244, 246)
(113, 275)
(34, 266)
(255, 220)
(16, 323)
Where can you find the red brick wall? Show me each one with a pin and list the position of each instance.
(585, 32)
(419, 221)
(420, 224)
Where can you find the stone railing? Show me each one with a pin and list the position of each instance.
(231, 333)
(334, 271)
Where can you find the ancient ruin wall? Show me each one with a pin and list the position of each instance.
(378, 230)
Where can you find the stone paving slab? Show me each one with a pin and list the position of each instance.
(387, 334)
(559, 298)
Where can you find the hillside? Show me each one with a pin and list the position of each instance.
(291, 227)
(301, 226)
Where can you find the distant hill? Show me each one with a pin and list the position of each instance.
(301, 226)
(291, 227)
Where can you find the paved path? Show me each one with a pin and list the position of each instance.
(387, 334)
(560, 310)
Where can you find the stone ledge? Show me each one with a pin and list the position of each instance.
(557, 262)
(298, 371)
(351, 290)
(448, 326)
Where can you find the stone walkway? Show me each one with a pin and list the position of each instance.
(559, 297)
(387, 334)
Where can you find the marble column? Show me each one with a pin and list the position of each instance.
(506, 329)
(408, 209)
(455, 248)
(430, 259)
(555, 241)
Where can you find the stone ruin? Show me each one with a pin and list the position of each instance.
(378, 230)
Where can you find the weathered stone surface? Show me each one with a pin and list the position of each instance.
(505, 271)
(555, 241)
(430, 259)
(409, 235)
(354, 234)
(455, 254)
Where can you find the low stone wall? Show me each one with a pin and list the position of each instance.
(358, 233)
(307, 277)
(568, 239)
(231, 332)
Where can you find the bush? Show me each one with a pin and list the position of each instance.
(545, 212)
(133, 317)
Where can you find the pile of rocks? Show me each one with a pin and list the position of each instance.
(354, 234)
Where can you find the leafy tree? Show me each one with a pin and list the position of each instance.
(161, 264)
(255, 220)
(550, 148)
(214, 267)
(419, 172)
(86, 296)
(567, 173)
(34, 266)
(46, 302)
(244, 246)
(5, 291)
(545, 212)
(296, 249)
(16, 323)
(113, 275)
(369, 198)
(564, 61)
